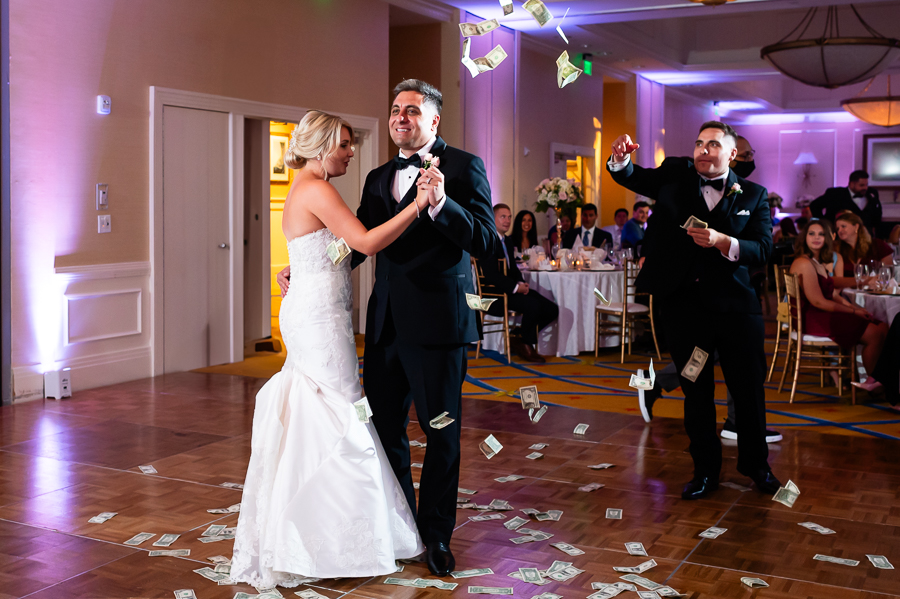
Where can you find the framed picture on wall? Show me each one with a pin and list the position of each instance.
(881, 159)
(277, 146)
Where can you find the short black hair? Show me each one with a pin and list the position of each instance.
(620, 210)
(430, 93)
(588, 208)
(857, 175)
(501, 205)
(729, 131)
(640, 204)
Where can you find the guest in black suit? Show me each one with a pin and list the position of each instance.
(537, 311)
(418, 325)
(588, 234)
(856, 197)
(700, 279)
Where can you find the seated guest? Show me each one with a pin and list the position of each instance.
(786, 231)
(775, 203)
(633, 232)
(855, 246)
(621, 217)
(887, 371)
(536, 310)
(524, 233)
(856, 197)
(587, 235)
(826, 313)
(565, 223)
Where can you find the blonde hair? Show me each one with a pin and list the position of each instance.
(863, 239)
(318, 135)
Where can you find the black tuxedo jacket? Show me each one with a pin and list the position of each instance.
(494, 279)
(838, 199)
(599, 236)
(425, 274)
(676, 269)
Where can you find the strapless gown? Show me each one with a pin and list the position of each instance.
(320, 499)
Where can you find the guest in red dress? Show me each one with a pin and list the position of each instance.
(855, 245)
(826, 313)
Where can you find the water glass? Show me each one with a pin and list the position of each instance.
(884, 276)
(862, 272)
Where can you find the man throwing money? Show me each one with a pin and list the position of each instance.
(708, 226)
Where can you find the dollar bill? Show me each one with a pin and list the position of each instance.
(880, 562)
(816, 528)
(491, 590)
(415, 443)
(735, 486)
(231, 509)
(479, 303)
(490, 447)
(531, 575)
(518, 576)
(244, 596)
(471, 573)
(507, 7)
(713, 532)
(581, 429)
(600, 466)
(636, 549)
(567, 549)
(102, 517)
(639, 382)
(185, 594)
(566, 72)
(212, 575)
(695, 365)
(215, 539)
(404, 582)
(555, 515)
(567, 573)
(534, 455)
(754, 583)
(170, 553)
(648, 595)
(787, 494)
(558, 566)
(608, 592)
(417, 465)
(538, 11)
(547, 596)
(529, 397)
(148, 469)
(559, 27)
(363, 411)
(337, 250)
(214, 530)
(499, 505)
(232, 485)
(140, 538)
(219, 559)
(310, 594)
(613, 513)
(601, 297)
(835, 560)
(466, 491)
(538, 446)
(641, 581)
(480, 65)
(669, 592)
(590, 487)
(470, 29)
(638, 569)
(486, 517)
(416, 485)
(274, 592)
(523, 539)
(535, 416)
(694, 223)
(539, 535)
(166, 540)
(509, 478)
(530, 511)
(441, 421)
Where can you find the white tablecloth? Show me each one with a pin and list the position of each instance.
(882, 307)
(573, 292)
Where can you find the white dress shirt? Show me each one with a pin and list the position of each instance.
(711, 196)
(860, 201)
(405, 177)
(579, 241)
(616, 232)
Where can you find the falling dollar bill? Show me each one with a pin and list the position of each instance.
(488, 62)
(529, 397)
(185, 594)
(538, 11)
(536, 415)
(787, 494)
(337, 250)
(880, 562)
(102, 517)
(148, 469)
(694, 223)
(170, 553)
(567, 549)
(816, 528)
(613, 513)
(639, 569)
(140, 538)
(835, 560)
(713, 532)
(470, 29)
(363, 411)
(601, 297)
(507, 7)
(581, 429)
(471, 573)
(566, 72)
(440, 421)
(559, 27)
(490, 447)
(639, 382)
(636, 549)
(600, 466)
(166, 540)
(479, 303)
(590, 487)
(695, 365)
(754, 583)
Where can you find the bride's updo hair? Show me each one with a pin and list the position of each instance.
(317, 136)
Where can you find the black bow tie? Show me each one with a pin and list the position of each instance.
(414, 160)
(859, 195)
(717, 184)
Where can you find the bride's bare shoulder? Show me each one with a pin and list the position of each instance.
(313, 190)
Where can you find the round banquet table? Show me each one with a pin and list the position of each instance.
(573, 292)
(882, 307)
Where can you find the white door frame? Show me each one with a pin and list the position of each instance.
(237, 110)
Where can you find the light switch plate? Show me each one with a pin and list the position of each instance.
(104, 104)
(104, 223)
(102, 196)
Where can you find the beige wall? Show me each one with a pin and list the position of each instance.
(330, 55)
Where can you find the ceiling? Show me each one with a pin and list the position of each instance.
(711, 53)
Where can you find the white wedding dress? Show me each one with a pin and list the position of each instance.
(320, 499)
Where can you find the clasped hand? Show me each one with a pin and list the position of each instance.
(431, 184)
(706, 238)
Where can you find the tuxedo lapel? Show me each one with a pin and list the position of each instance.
(387, 180)
(728, 196)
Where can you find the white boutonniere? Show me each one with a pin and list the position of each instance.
(735, 189)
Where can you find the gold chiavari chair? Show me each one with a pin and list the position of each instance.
(489, 323)
(782, 317)
(628, 312)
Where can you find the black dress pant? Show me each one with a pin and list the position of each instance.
(537, 312)
(738, 338)
(396, 374)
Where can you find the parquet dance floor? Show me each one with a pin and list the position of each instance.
(63, 462)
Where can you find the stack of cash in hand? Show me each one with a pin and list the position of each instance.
(787, 494)
(639, 382)
(694, 223)
(102, 517)
(479, 303)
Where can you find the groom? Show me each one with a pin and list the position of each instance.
(418, 324)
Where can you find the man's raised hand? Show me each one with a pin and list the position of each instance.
(622, 147)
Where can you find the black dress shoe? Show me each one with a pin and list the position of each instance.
(766, 482)
(528, 353)
(440, 560)
(700, 486)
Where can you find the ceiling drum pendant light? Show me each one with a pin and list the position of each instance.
(712, 2)
(883, 111)
(831, 60)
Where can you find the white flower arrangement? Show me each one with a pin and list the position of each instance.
(558, 194)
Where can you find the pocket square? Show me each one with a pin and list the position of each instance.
(744, 213)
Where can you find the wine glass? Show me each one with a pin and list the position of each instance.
(862, 272)
(884, 275)
(629, 254)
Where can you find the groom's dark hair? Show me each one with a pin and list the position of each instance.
(430, 93)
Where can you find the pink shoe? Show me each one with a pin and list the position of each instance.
(869, 385)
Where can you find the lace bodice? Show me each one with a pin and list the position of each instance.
(307, 254)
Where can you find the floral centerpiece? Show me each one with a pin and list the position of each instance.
(560, 195)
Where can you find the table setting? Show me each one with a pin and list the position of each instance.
(881, 296)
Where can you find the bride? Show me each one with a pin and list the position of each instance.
(320, 499)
